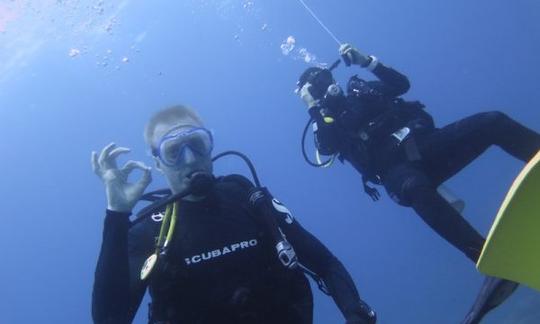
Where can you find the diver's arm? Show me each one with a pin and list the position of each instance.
(316, 257)
(324, 129)
(112, 298)
(393, 83)
(117, 290)
(110, 295)
(141, 240)
(276, 218)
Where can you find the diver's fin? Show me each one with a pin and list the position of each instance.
(512, 248)
(494, 291)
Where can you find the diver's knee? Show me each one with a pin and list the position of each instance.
(494, 119)
(403, 182)
(412, 191)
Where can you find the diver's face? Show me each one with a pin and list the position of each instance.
(180, 150)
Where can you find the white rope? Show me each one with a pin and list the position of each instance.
(320, 22)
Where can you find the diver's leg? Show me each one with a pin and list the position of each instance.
(497, 128)
(438, 214)
(408, 185)
(492, 293)
(449, 224)
(451, 148)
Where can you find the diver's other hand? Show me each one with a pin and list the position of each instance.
(360, 313)
(373, 193)
(121, 194)
(352, 55)
(306, 96)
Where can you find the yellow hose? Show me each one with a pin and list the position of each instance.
(172, 225)
(164, 224)
(168, 224)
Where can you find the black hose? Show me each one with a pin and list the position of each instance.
(317, 165)
(334, 65)
(246, 159)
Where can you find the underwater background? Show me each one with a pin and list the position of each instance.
(76, 75)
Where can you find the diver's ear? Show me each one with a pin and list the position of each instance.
(158, 163)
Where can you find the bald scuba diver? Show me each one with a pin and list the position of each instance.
(394, 143)
(215, 250)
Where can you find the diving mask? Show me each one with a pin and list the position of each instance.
(172, 147)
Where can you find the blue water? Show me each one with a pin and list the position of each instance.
(76, 75)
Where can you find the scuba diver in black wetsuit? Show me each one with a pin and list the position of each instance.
(211, 254)
(394, 143)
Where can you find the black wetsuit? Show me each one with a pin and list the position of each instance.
(221, 267)
(364, 130)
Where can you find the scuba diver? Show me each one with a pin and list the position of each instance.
(394, 143)
(217, 249)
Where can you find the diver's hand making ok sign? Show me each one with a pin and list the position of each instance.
(121, 194)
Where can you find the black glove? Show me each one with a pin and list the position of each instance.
(360, 313)
(372, 192)
(352, 55)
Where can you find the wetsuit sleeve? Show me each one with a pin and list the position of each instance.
(392, 83)
(317, 257)
(117, 292)
(325, 131)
